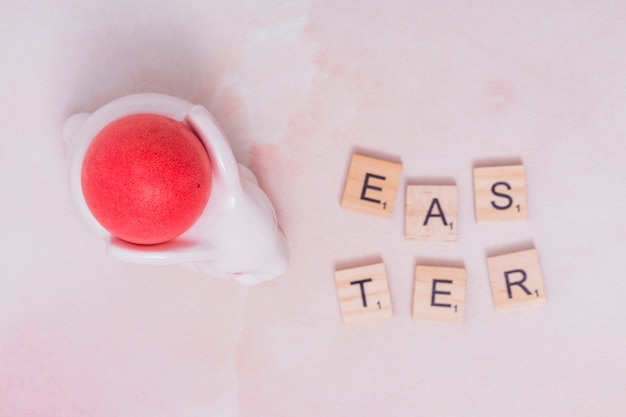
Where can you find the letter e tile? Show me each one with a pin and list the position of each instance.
(363, 294)
(439, 294)
(516, 280)
(371, 186)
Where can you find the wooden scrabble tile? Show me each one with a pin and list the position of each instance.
(363, 294)
(500, 194)
(516, 280)
(371, 186)
(431, 213)
(439, 294)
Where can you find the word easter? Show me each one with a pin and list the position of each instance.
(431, 215)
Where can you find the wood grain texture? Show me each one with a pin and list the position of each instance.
(516, 280)
(363, 294)
(500, 194)
(371, 186)
(439, 294)
(431, 213)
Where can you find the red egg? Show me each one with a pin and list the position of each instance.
(146, 178)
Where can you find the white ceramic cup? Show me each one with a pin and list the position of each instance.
(236, 236)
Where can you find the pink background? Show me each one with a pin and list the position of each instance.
(299, 86)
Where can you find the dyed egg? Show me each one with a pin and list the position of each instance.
(146, 178)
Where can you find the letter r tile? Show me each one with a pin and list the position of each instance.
(500, 194)
(363, 294)
(371, 186)
(516, 280)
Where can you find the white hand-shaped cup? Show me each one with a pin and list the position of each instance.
(236, 236)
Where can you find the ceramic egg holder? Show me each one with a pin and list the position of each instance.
(236, 236)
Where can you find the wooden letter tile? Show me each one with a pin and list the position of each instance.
(516, 280)
(371, 186)
(500, 194)
(431, 213)
(363, 294)
(439, 294)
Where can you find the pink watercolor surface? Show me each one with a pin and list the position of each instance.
(299, 86)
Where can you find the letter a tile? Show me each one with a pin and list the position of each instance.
(500, 194)
(516, 280)
(439, 294)
(371, 186)
(363, 294)
(431, 213)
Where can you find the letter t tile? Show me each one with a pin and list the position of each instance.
(363, 294)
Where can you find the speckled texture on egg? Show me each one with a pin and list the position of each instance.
(146, 178)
